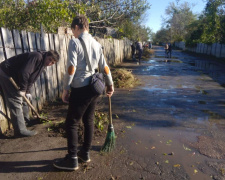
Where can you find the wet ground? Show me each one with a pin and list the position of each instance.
(169, 127)
(178, 110)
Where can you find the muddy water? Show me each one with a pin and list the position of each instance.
(180, 100)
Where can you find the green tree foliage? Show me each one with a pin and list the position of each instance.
(211, 24)
(178, 19)
(123, 15)
(135, 31)
(50, 13)
(210, 27)
(162, 36)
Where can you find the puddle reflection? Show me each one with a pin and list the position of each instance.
(165, 61)
(210, 68)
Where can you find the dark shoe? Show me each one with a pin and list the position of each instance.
(25, 133)
(84, 156)
(67, 163)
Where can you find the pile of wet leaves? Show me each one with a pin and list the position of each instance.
(147, 53)
(124, 78)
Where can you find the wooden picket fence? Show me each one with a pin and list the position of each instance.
(215, 49)
(50, 84)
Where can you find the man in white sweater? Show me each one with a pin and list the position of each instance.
(81, 99)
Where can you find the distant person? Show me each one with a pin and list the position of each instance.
(139, 48)
(150, 45)
(133, 51)
(166, 50)
(170, 50)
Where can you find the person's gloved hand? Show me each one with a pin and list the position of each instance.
(21, 93)
(29, 97)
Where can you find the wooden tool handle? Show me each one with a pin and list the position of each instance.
(25, 98)
(110, 111)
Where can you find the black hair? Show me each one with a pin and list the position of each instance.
(53, 54)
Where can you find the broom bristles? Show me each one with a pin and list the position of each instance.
(110, 140)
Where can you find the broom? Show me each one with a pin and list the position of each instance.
(110, 140)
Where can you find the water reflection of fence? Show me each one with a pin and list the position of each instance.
(49, 86)
(215, 49)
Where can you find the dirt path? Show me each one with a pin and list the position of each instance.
(169, 127)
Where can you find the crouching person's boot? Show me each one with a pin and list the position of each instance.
(68, 163)
(20, 129)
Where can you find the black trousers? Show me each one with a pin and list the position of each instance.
(82, 105)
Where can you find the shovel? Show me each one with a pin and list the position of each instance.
(27, 101)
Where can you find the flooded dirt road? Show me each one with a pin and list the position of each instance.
(178, 118)
(171, 127)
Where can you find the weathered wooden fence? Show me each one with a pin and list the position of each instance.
(49, 86)
(215, 49)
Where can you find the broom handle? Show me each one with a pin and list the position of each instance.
(110, 111)
(25, 98)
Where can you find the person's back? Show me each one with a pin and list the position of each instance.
(139, 46)
(140, 51)
(82, 76)
(85, 55)
(133, 51)
(170, 47)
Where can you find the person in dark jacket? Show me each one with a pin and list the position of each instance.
(24, 69)
(170, 50)
(139, 48)
(133, 48)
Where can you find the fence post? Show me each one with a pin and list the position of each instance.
(8, 43)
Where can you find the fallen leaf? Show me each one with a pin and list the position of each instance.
(153, 147)
(166, 161)
(195, 171)
(128, 127)
(117, 116)
(164, 154)
(157, 163)
(187, 149)
(131, 163)
(134, 110)
(169, 141)
(176, 165)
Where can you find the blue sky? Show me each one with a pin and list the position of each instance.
(153, 18)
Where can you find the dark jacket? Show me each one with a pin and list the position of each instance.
(24, 68)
